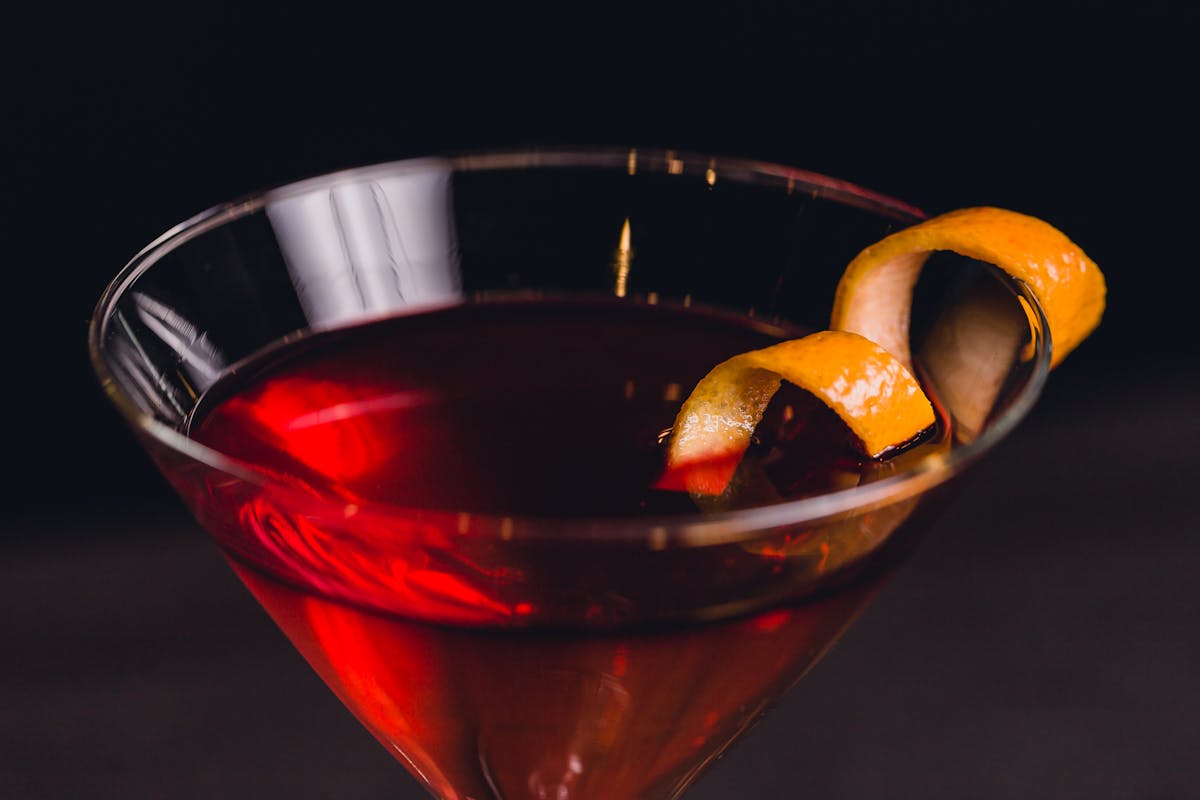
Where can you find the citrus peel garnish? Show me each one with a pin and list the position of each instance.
(874, 296)
(867, 380)
(873, 393)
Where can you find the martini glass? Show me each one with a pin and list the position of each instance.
(420, 408)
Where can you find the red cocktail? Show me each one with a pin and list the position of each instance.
(422, 406)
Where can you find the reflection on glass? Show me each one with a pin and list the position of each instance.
(370, 246)
(623, 260)
(198, 357)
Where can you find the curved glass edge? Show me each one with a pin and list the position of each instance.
(683, 530)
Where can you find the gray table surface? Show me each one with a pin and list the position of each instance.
(1042, 642)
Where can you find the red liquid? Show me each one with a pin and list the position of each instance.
(497, 661)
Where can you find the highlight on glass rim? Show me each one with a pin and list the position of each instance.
(561, 466)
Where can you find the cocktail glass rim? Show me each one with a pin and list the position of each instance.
(693, 529)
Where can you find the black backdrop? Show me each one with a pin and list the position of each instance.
(117, 124)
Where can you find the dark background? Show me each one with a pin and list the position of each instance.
(1042, 643)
